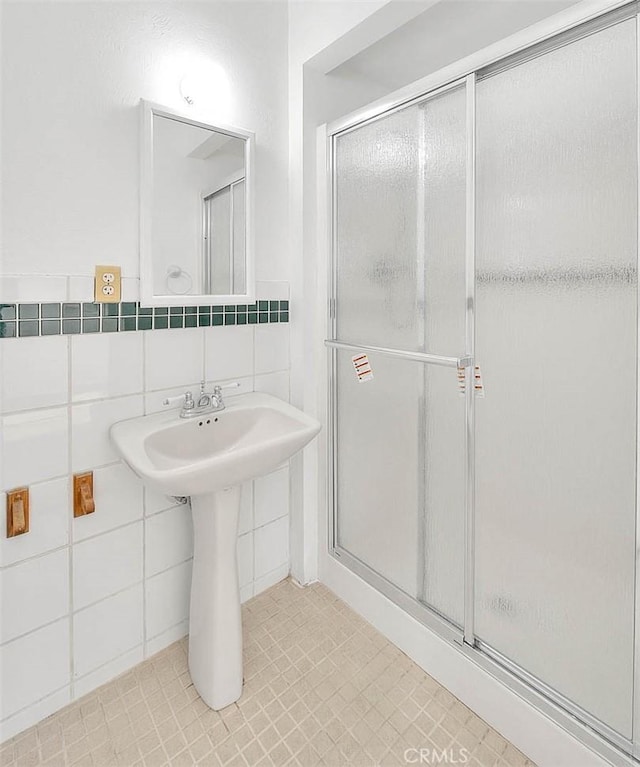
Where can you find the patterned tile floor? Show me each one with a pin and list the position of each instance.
(322, 687)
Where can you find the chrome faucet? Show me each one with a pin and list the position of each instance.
(205, 399)
(208, 402)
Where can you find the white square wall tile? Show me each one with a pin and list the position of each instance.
(167, 599)
(229, 353)
(90, 424)
(34, 446)
(168, 539)
(276, 384)
(271, 496)
(173, 358)
(154, 501)
(34, 666)
(35, 373)
(167, 637)
(245, 523)
(273, 290)
(271, 544)
(81, 288)
(245, 559)
(32, 288)
(35, 713)
(229, 389)
(118, 495)
(106, 365)
(106, 564)
(130, 289)
(34, 593)
(48, 523)
(108, 672)
(272, 348)
(107, 630)
(265, 582)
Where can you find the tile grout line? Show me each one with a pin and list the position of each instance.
(135, 393)
(71, 519)
(253, 489)
(144, 516)
(90, 318)
(35, 703)
(87, 606)
(270, 612)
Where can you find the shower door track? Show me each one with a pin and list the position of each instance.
(566, 27)
(533, 683)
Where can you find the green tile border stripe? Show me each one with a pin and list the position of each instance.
(21, 320)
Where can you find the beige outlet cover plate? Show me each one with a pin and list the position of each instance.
(108, 285)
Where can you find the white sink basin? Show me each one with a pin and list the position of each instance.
(253, 435)
(208, 458)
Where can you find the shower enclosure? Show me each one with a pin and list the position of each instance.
(493, 222)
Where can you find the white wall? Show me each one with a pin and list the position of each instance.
(83, 599)
(313, 27)
(73, 74)
(315, 24)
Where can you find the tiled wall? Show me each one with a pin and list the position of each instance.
(47, 318)
(83, 599)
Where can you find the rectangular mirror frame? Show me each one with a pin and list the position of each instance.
(148, 110)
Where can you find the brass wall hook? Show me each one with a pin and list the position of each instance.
(83, 501)
(17, 511)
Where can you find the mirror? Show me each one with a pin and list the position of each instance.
(195, 211)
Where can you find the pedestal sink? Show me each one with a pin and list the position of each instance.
(207, 458)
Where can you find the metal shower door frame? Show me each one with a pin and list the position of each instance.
(421, 611)
(581, 724)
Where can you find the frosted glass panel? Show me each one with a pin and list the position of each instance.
(442, 557)
(400, 253)
(379, 471)
(220, 241)
(400, 227)
(382, 473)
(442, 208)
(239, 256)
(441, 241)
(556, 340)
(376, 170)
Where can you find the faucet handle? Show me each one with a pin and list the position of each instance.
(186, 399)
(233, 385)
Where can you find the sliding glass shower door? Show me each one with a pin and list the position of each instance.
(495, 223)
(399, 189)
(556, 338)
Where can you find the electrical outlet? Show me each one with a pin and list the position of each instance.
(107, 289)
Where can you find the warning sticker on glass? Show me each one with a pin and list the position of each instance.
(478, 386)
(362, 367)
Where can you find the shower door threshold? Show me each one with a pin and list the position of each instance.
(416, 609)
(580, 724)
(591, 731)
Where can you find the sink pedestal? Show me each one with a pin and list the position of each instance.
(215, 624)
(208, 460)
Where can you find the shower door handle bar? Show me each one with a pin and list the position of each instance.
(429, 359)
